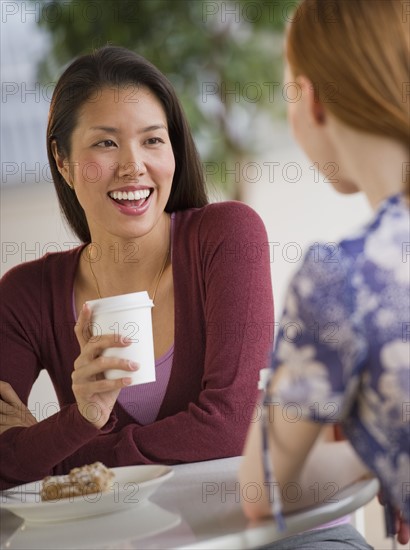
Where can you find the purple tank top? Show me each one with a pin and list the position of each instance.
(143, 401)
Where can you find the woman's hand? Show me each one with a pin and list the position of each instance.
(13, 412)
(401, 528)
(94, 394)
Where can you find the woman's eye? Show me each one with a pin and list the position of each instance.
(154, 141)
(106, 143)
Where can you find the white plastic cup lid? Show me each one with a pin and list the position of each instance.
(132, 300)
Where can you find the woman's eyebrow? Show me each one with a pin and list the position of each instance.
(153, 127)
(106, 129)
(142, 131)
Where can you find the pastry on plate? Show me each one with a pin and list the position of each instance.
(86, 480)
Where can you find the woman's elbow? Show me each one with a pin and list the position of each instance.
(255, 510)
(254, 499)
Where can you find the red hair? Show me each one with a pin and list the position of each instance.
(357, 55)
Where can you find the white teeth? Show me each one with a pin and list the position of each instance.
(130, 195)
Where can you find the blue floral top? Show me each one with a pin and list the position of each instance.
(344, 340)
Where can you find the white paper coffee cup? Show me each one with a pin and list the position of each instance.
(127, 315)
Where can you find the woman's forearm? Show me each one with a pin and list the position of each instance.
(308, 469)
(329, 467)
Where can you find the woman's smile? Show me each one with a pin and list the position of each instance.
(132, 201)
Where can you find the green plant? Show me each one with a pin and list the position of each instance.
(223, 57)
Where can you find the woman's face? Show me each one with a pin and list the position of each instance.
(121, 163)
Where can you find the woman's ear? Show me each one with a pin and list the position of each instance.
(62, 164)
(315, 107)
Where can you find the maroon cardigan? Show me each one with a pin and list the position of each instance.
(223, 336)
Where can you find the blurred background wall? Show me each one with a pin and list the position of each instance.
(225, 60)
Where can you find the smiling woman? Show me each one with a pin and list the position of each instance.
(130, 184)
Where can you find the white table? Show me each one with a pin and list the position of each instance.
(198, 508)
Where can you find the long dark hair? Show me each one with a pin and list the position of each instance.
(115, 66)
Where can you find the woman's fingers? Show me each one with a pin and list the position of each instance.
(404, 534)
(102, 386)
(11, 415)
(100, 365)
(95, 347)
(402, 529)
(8, 394)
(13, 412)
(93, 392)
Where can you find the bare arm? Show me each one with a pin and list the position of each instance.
(307, 466)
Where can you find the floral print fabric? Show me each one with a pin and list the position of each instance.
(344, 342)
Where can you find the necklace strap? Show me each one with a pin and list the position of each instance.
(158, 278)
(164, 264)
(92, 271)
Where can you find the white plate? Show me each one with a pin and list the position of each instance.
(131, 486)
(137, 527)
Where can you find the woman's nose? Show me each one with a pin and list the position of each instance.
(131, 165)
